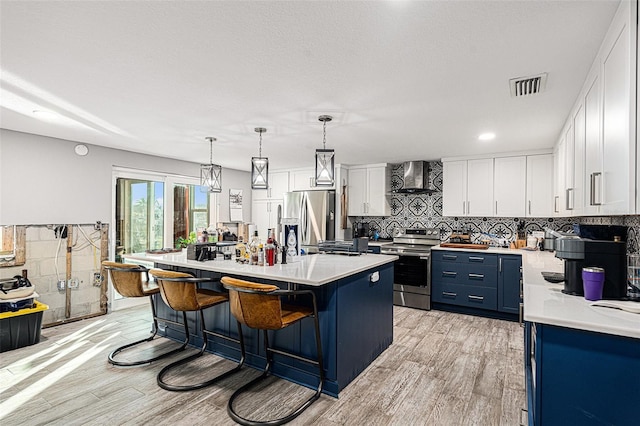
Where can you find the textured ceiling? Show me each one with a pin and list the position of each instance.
(406, 80)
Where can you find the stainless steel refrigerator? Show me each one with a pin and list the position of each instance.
(315, 214)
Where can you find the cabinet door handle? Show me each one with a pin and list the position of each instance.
(476, 259)
(449, 294)
(449, 274)
(500, 265)
(592, 198)
(496, 207)
(463, 208)
(529, 207)
(468, 207)
(476, 276)
(521, 314)
(569, 198)
(473, 298)
(449, 257)
(556, 199)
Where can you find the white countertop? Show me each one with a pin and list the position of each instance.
(545, 303)
(315, 270)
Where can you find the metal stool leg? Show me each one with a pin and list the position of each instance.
(112, 355)
(267, 372)
(182, 388)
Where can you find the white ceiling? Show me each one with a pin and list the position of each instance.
(405, 80)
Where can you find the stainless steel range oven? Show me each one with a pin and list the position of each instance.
(412, 271)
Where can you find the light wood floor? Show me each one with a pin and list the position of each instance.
(442, 369)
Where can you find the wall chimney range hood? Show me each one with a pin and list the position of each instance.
(416, 178)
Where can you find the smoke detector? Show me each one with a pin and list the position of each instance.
(525, 86)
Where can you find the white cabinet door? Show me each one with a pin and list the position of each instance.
(593, 147)
(568, 168)
(540, 185)
(510, 185)
(377, 203)
(559, 206)
(301, 180)
(278, 185)
(265, 215)
(480, 187)
(356, 197)
(617, 135)
(454, 188)
(576, 194)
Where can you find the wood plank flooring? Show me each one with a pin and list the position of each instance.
(442, 369)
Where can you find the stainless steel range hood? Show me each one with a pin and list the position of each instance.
(416, 178)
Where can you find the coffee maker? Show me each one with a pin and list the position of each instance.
(579, 253)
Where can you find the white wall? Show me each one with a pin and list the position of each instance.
(42, 180)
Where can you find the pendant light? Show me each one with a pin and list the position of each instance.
(324, 157)
(211, 174)
(260, 166)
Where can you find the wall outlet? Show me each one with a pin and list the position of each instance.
(61, 285)
(97, 279)
(74, 283)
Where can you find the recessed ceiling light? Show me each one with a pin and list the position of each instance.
(46, 115)
(487, 136)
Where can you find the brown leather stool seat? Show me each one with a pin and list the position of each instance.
(259, 306)
(127, 280)
(181, 292)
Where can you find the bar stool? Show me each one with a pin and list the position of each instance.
(180, 292)
(127, 280)
(259, 306)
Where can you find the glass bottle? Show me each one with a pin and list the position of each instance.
(291, 244)
(254, 246)
(260, 255)
(270, 252)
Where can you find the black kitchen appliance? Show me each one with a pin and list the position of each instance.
(361, 230)
(579, 253)
(411, 272)
(201, 251)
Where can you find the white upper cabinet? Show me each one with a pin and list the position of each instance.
(618, 113)
(264, 213)
(577, 188)
(467, 187)
(367, 193)
(559, 175)
(539, 185)
(304, 180)
(278, 185)
(593, 146)
(510, 175)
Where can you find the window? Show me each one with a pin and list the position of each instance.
(191, 210)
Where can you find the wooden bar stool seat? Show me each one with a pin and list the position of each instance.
(259, 306)
(127, 280)
(181, 292)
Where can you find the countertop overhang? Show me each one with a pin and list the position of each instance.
(313, 270)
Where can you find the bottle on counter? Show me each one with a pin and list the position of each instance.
(270, 252)
(240, 251)
(261, 255)
(276, 246)
(254, 247)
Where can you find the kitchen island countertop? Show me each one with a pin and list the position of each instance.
(313, 270)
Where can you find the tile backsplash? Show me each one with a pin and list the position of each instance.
(425, 211)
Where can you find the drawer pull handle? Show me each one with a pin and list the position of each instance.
(476, 259)
(476, 276)
(476, 298)
(449, 294)
(449, 257)
(449, 273)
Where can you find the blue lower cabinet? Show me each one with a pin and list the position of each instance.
(509, 283)
(476, 280)
(577, 377)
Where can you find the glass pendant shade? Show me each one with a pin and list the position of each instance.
(211, 177)
(211, 174)
(259, 173)
(325, 167)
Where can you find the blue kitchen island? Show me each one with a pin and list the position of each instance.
(355, 309)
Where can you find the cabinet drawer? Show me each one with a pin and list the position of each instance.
(464, 274)
(464, 257)
(465, 295)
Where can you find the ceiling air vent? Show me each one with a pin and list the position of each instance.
(524, 86)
